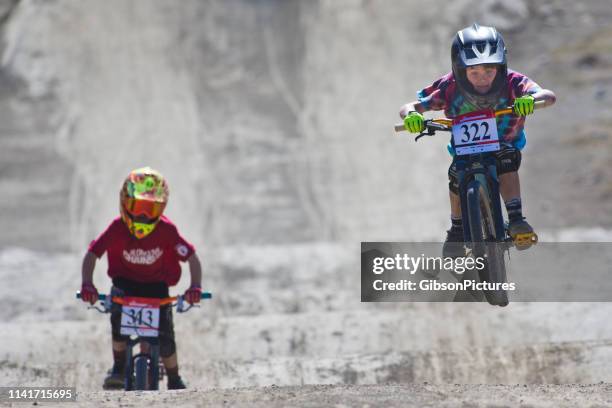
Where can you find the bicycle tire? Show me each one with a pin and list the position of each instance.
(141, 368)
(495, 270)
(129, 370)
(154, 371)
(474, 193)
(484, 243)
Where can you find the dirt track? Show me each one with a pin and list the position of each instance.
(405, 396)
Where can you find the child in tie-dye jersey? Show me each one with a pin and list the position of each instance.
(480, 79)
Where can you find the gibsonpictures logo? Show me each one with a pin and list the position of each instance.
(434, 285)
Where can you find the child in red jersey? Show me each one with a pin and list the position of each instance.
(144, 249)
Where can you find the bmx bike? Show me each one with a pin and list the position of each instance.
(140, 321)
(485, 231)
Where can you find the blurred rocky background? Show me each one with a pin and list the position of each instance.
(272, 120)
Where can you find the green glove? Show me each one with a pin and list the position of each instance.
(413, 122)
(523, 105)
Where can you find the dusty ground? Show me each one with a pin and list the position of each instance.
(391, 395)
(272, 121)
(397, 396)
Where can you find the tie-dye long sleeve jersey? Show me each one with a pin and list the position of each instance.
(443, 94)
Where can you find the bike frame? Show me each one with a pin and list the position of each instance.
(479, 194)
(153, 357)
(480, 167)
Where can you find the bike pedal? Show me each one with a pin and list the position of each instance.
(525, 241)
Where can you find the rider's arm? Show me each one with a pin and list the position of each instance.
(89, 264)
(195, 268)
(415, 106)
(545, 95)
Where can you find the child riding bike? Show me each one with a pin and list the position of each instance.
(480, 80)
(144, 249)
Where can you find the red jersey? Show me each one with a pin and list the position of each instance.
(154, 258)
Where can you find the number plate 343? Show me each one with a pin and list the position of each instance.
(140, 317)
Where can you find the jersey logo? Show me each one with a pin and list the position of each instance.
(143, 257)
(182, 250)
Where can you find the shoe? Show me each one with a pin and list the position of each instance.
(115, 379)
(454, 245)
(522, 234)
(176, 383)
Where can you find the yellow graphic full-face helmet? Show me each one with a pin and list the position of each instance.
(142, 200)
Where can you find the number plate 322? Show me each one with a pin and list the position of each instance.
(140, 317)
(475, 132)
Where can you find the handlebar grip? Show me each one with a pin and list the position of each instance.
(510, 109)
(539, 104)
(206, 295)
(399, 127)
(101, 296)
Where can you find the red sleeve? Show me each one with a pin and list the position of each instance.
(99, 245)
(183, 248)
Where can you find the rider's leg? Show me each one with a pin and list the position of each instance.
(167, 349)
(455, 205)
(508, 163)
(115, 376)
(171, 364)
(453, 191)
(175, 381)
(510, 186)
(453, 245)
(119, 352)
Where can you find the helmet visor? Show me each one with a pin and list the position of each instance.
(144, 211)
(481, 53)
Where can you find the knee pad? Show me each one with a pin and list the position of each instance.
(453, 181)
(508, 160)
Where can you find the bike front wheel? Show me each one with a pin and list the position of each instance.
(484, 242)
(141, 368)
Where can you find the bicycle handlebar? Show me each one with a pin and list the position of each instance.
(164, 301)
(399, 127)
(180, 302)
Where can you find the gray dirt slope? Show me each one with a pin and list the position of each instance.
(272, 120)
